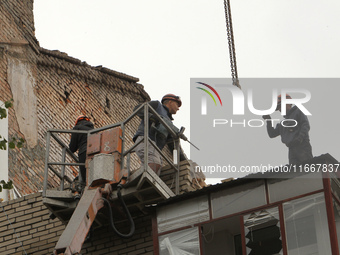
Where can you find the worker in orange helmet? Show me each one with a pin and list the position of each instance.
(294, 132)
(79, 142)
(168, 106)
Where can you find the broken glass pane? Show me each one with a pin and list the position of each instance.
(262, 231)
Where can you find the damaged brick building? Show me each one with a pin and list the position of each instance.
(283, 214)
(49, 90)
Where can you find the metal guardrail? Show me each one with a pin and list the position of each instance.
(52, 133)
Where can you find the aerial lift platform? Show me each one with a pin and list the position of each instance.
(108, 179)
(109, 182)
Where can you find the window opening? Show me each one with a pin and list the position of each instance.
(262, 232)
(222, 237)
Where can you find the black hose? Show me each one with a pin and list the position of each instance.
(132, 224)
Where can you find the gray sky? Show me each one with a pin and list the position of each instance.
(165, 43)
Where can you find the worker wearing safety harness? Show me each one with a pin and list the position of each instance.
(166, 108)
(294, 132)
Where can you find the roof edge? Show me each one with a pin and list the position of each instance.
(64, 56)
(322, 159)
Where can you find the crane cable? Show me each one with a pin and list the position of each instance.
(231, 44)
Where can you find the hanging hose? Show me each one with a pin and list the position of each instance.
(132, 224)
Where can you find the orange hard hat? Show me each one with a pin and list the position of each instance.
(81, 117)
(173, 98)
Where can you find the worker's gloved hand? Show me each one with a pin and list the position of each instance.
(266, 117)
(182, 136)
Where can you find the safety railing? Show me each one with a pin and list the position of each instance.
(52, 133)
(126, 153)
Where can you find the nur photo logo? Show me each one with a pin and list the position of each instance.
(249, 103)
(204, 99)
(240, 99)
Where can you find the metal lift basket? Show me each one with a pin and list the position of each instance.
(108, 178)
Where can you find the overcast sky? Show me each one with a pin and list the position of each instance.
(166, 42)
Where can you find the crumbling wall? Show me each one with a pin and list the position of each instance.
(50, 89)
(37, 234)
(22, 83)
(17, 23)
(17, 82)
(67, 88)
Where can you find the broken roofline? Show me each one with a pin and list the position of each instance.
(97, 74)
(66, 57)
(322, 159)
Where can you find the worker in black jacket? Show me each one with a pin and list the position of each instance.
(293, 131)
(166, 108)
(79, 142)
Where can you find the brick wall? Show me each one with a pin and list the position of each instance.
(22, 56)
(30, 219)
(50, 89)
(63, 88)
(189, 180)
(39, 234)
(17, 22)
(68, 88)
